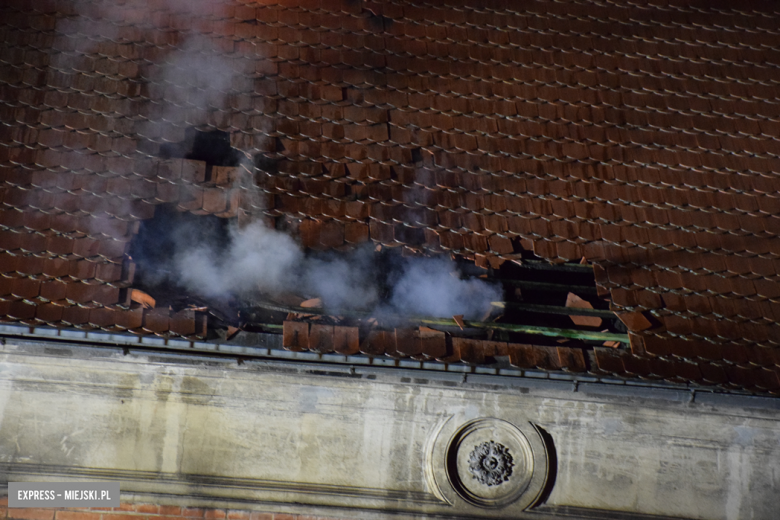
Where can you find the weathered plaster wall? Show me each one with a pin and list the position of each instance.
(140, 511)
(268, 435)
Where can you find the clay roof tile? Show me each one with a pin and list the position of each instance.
(479, 156)
(75, 316)
(321, 338)
(376, 342)
(571, 359)
(408, 342)
(156, 320)
(345, 340)
(183, 322)
(609, 360)
(468, 351)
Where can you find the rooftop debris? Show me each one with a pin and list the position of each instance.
(532, 299)
(552, 332)
(231, 332)
(146, 301)
(574, 301)
(459, 320)
(634, 321)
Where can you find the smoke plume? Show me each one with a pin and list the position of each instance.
(188, 79)
(269, 261)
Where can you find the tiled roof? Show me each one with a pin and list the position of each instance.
(644, 137)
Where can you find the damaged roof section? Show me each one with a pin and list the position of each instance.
(496, 134)
(66, 240)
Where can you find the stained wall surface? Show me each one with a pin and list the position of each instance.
(362, 444)
(138, 511)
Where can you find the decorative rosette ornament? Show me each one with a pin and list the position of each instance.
(490, 463)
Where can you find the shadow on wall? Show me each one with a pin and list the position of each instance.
(552, 467)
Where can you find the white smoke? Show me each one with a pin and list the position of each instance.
(192, 81)
(347, 282)
(426, 287)
(259, 259)
(189, 85)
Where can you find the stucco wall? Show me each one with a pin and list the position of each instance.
(299, 438)
(140, 511)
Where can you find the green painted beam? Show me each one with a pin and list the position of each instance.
(531, 329)
(447, 322)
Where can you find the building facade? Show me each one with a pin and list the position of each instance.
(396, 259)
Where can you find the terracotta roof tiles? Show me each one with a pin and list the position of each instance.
(647, 146)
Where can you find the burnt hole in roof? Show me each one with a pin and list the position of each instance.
(537, 293)
(159, 237)
(154, 251)
(211, 147)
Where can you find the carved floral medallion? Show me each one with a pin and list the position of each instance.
(490, 463)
